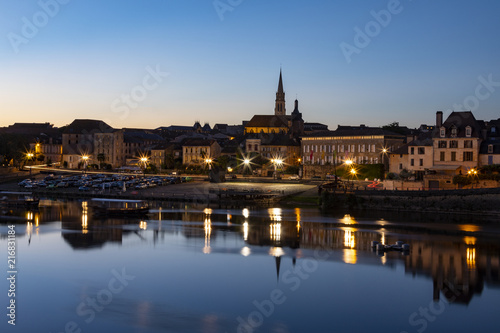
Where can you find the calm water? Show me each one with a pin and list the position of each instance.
(193, 269)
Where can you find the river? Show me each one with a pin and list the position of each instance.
(189, 268)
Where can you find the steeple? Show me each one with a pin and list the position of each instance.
(279, 108)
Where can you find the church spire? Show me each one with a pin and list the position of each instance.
(279, 108)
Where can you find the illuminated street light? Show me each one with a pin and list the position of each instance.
(144, 161)
(85, 159)
(208, 161)
(29, 157)
(353, 174)
(348, 162)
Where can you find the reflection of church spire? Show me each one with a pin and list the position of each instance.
(278, 263)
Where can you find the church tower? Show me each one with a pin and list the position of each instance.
(279, 109)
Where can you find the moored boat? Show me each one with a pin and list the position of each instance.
(16, 199)
(119, 207)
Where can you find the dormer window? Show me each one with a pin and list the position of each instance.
(453, 132)
(490, 149)
(468, 131)
(493, 130)
(442, 132)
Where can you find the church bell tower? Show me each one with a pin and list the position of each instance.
(279, 108)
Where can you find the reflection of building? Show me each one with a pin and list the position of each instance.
(457, 270)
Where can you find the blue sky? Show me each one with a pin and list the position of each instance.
(87, 55)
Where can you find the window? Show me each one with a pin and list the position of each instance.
(421, 150)
(412, 150)
(400, 166)
(421, 163)
(442, 132)
(468, 131)
(468, 156)
(453, 156)
(441, 144)
(493, 130)
(441, 156)
(468, 144)
(453, 132)
(490, 149)
(412, 162)
(453, 144)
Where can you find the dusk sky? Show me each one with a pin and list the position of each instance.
(348, 62)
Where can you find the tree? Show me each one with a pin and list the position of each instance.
(101, 158)
(394, 127)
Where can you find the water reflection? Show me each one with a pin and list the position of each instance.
(464, 259)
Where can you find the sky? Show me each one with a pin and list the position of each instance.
(152, 63)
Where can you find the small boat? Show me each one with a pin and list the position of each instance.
(119, 207)
(399, 246)
(18, 199)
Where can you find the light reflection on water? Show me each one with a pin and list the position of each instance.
(199, 269)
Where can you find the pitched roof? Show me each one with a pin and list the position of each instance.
(460, 120)
(268, 121)
(87, 126)
(354, 131)
(198, 143)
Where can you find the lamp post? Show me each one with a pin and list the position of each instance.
(85, 159)
(353, 174)
(472, 173)
(144, 161)
(246, 165)
(29, 156)
(277, 162)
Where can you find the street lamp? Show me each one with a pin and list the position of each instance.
(85, 159)
(29, 156)
(208, 161)
(144, 161)
(353, 174)
(277, 162)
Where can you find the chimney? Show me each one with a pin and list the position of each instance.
(439, 119)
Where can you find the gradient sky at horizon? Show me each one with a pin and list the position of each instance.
(427, 58)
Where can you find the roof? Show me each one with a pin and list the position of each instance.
(483, 149)
(403, 150)
(87, 126)
(424, 139)
(460, 120)
(198, 143)
(268, 121)
(354, 131)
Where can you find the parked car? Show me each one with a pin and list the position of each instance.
(294, 177)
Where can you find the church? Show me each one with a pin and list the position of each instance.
(280, 122)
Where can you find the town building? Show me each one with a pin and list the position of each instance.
(415, 157)
(197, 151)
(359, 144)
(78, 142)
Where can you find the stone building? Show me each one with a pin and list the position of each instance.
(78, 140)
(360, 144)
(196, 151)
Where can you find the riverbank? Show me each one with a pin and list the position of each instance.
(478, 201)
